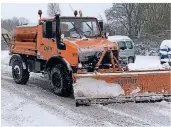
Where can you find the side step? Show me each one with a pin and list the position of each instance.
(80, 101)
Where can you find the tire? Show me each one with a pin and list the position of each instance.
(162, 62)
(61, 84)
(169, 63)
(20, 75)
(130, 60)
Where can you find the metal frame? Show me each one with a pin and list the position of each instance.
(6, 38)
(115, 63)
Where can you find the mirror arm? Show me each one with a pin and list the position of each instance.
(57, 28)
(60, 44)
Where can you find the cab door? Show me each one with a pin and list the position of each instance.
(46, 45)
(130, 48)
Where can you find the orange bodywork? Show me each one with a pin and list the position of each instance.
(30, 41)
(28, 48)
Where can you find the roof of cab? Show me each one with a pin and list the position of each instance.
(165, 44)
(67, 17)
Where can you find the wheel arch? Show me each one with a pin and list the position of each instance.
(133, 57)
(54, 60)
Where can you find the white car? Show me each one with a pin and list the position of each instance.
(127, 52)
(165, 52)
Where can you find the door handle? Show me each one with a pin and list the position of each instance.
(41, 44)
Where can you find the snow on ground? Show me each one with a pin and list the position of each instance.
(25, 113)
(4, 54)
(35, 105)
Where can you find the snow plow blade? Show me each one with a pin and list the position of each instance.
(133, 86)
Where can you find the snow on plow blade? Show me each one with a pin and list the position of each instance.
(134, 86)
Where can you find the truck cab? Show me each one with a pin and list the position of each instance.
(61, 47)
(78, 40)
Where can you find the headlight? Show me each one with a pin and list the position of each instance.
(80, 65)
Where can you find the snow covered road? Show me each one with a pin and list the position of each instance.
(34, 104)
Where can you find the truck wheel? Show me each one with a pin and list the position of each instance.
(130, 60)
(60, 84)
(20, 75)
(162, 62)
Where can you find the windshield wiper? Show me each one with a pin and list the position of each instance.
(76, 29)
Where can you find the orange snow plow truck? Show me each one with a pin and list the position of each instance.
(71, 49)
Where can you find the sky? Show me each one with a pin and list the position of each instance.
(29, 10)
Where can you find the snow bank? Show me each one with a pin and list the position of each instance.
(133, 66)
(89, 87)
(147, 63)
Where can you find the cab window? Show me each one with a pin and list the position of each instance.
(53, 29)
(129, 44)
(122, 45)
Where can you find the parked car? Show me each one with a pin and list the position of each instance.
(127, 52)
(165, 52)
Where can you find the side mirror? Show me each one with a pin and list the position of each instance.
(60, 44)
(101, 25)
(48, 29)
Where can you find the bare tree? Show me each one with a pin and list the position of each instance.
(157, 17)
(16, 21)
(137, 18)
(10, 24)
(23, 21)
(122, 13)
(53, 8)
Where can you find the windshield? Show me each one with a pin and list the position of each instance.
(122, 44)
(78, 27)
